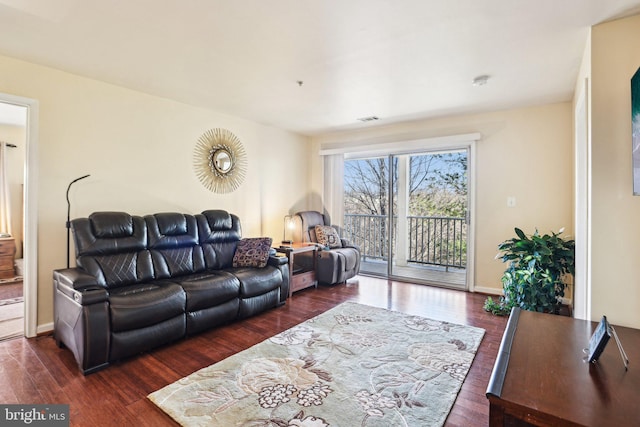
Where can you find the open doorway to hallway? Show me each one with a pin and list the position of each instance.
(13, 141)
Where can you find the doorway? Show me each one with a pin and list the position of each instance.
(13, 137)
(409, 213)
(18, 282)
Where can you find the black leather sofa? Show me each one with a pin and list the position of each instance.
(141, 282)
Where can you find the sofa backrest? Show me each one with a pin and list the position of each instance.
(305, 223)
(173, 243)
(120, 249)
(220, 232)
(112, 246)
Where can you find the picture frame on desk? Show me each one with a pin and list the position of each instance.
(598, 340)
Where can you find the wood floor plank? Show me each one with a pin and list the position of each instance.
(37, 371)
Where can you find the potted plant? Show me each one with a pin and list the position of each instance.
(539, 267)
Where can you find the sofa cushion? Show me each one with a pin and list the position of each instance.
(139, 306)
(252, 252)
(256, 282)
(105, 233)
(168, 263)
(218, 219)
(259, 303)
(111, 224)
(219, 233)
(173, 224)
(173, 243)
(208, 318)
(210, 289)
(115, 270)
(328, 236)
(171, 230)
(128, 343)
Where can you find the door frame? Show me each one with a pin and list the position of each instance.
(30, 254)
(582, 201)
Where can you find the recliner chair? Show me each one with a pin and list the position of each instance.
(335, 265)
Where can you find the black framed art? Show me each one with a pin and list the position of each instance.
(635, 130)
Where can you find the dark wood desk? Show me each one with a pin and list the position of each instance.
(539, 377)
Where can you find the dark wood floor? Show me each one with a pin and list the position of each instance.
(37, 371)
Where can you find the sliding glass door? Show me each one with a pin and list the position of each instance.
(409, 215)
(368, 189)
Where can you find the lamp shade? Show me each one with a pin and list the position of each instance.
(289, 224)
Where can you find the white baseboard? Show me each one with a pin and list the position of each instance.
(43, 329)
(490, 291)
(496, 291)
(567, 301)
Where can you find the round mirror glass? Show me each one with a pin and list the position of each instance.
(222, 161)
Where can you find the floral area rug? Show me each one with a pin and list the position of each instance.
(354, 365)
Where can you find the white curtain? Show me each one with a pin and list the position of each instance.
(5, 199)
(334, 188)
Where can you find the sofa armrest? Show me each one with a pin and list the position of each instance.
(79, 286)
(282, 264)
(347, 244)
(277, 261)
(81, 318)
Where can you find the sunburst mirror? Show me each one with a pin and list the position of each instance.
(220, 161)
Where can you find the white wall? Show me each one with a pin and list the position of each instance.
(615, 227)
(138, 149)
(525, 153)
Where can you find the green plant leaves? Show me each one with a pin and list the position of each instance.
(499, 308)
(538, 266)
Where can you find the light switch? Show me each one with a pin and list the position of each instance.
(511, 202)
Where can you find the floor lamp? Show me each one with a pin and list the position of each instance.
(69, 215)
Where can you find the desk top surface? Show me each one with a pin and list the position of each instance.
(546, 372)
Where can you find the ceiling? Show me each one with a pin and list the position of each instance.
(315, 66)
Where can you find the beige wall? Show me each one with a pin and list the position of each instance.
(615, 227)
(138, 150)
(15, 135)
(525, 153)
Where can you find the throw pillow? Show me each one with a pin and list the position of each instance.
(252, 252)
(328, 236)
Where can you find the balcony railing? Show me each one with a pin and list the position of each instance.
(431, 240)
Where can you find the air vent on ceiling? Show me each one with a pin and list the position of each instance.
(369, 119)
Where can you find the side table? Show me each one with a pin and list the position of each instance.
(302, 273)
(7, 255)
